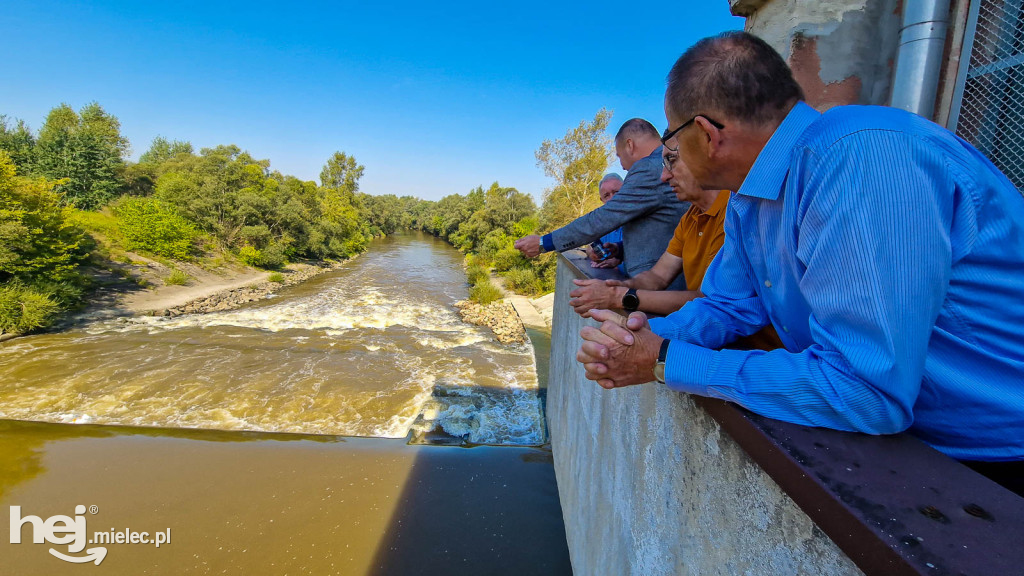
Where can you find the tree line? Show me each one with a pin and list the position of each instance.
(68, 191)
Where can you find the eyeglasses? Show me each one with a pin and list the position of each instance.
(669, 160)
(668, 135)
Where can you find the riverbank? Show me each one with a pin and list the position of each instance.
(510, 317)
(205, 290)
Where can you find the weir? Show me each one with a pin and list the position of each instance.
(653, 481)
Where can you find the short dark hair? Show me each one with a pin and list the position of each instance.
(735, 73)
(635, 128)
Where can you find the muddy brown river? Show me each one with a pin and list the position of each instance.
(281, 438)
(363, 351)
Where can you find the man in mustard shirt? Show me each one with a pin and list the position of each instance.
(696, 240)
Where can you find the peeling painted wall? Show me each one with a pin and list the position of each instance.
(650, 485)
(841, 51)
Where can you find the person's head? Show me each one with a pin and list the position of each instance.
(609, 185)
(726, 95)
(636, 139)
(675, 172)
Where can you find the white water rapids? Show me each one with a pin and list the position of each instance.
(361, 351)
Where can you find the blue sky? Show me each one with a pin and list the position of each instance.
(433, 98)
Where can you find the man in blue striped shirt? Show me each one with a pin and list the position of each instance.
(886, 252)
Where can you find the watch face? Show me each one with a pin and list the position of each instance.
(659, 372)
(630, 301)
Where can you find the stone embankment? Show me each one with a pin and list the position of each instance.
(231, 299)
(499, 316)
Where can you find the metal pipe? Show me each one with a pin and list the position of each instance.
(919, 57)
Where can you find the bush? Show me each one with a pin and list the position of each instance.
(177, 278)
(153, 226)
(475, 273)
(276, 277)
(67, 293)
(273, 256)
(509, 258)
(523, 281)
(476, 260)
(250, 256)
(38, 239)
(484, 292)
(23, 309)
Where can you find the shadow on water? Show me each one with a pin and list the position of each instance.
(484, 510)
(480, 510)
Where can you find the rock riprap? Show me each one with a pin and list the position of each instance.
(499, 316)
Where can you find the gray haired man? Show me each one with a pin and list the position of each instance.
(645, 207)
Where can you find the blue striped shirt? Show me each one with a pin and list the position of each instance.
(889, 256)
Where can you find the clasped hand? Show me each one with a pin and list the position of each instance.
(621, 352)
(593, 293)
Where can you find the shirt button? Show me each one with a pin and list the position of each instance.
(768, 283)
(785, 329)
(700, 233)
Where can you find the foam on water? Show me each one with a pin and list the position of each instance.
(347, 360)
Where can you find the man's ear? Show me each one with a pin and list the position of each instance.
(630, 147)
(712, 137)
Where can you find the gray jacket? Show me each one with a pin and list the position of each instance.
(646, 209)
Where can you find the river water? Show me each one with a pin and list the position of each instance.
(373, 349)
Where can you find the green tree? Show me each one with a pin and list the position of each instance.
(341, 172)
(85, 151)
(19, 142)
(162, 150)
(577, 162)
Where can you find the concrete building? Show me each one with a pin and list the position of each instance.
(959, 63)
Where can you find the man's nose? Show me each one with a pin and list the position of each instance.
(665, 174)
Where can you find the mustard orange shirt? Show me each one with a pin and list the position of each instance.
(698, 237)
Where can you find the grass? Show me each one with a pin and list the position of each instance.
(177, 278)
(276, 277)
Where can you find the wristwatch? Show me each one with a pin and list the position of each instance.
(630, 301)
(659, 366)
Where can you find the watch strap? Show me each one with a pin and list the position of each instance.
(630, 300)
(659, 366)
(663, 351)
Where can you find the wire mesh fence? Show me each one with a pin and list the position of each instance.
(992, 108)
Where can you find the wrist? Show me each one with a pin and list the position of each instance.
(659, 361)
(615, 302)
(630, 300)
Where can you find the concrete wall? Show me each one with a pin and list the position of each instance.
(841, 51)
(650, 485)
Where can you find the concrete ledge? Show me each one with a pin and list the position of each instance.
(658, 482)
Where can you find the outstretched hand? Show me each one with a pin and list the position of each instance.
(528, 245)
(622, 352)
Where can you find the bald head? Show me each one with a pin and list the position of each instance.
(637, 138)
(736, 75)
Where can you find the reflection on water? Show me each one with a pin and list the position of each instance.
(356, 352)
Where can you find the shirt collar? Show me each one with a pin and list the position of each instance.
(769, 170)
(721, 201)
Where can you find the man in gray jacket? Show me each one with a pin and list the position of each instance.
(645, 208)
